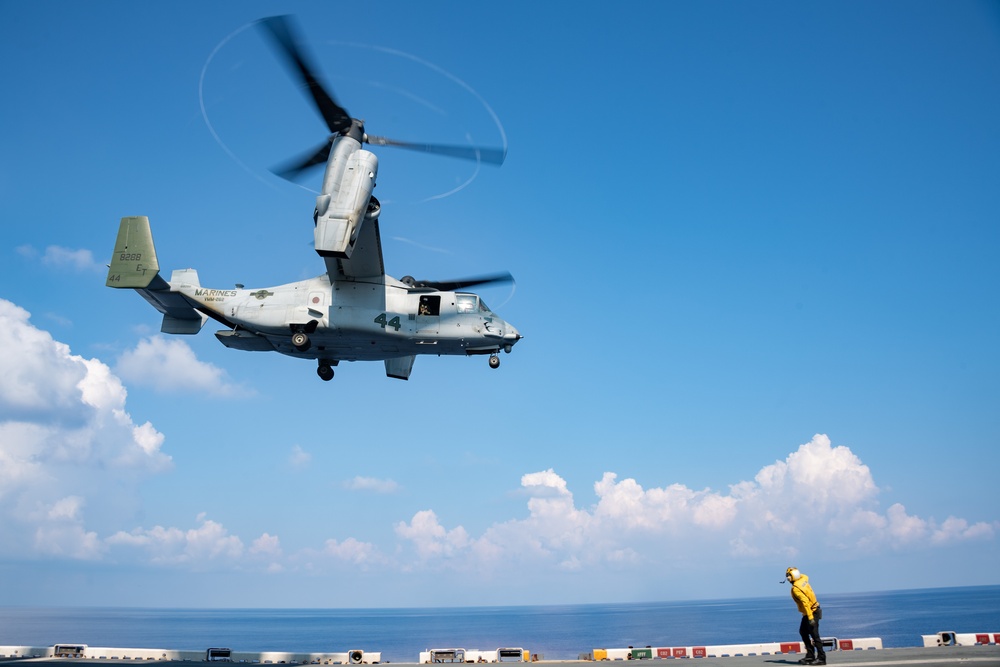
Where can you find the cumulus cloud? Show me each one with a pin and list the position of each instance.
(819, 495)
(267, 548)
(628, 527)
(353, 551)
(71, 459)
(208, 543)
(59, 257)
(266, 544)
(69, 451)
(299, 458)
(170, 365)
(430, 538)
(371, 484)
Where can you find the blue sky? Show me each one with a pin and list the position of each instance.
(754, 246)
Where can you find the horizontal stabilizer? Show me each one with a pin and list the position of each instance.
(134, 263)
(179, 316)
(183, 325)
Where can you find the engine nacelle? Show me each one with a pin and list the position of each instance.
(342, 207)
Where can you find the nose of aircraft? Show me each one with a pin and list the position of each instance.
(511, 336)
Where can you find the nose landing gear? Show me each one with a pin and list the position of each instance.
(494, 361)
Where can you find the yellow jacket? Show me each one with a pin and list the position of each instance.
(804, 597)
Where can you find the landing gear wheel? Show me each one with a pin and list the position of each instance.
(301, 341)
(494, 361)
(325, 372)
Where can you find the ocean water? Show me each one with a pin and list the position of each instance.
(555, 632)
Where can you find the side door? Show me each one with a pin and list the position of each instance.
(428, 317)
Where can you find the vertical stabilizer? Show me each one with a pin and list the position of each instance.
(134, 263)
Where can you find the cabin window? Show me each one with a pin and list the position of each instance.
(466, 303)
(430, 305)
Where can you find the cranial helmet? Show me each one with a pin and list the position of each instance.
(792, 574)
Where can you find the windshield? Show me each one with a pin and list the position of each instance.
(466, 303)
(470, 303)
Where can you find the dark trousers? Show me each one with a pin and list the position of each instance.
(810, 637)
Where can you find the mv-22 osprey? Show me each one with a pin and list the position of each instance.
(354, 312)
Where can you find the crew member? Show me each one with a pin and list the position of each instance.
(805, 599)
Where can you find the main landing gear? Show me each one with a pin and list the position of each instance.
(300, 340)
(300, 335)
(324, 371)
(494, 361)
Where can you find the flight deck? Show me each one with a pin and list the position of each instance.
(939, 650)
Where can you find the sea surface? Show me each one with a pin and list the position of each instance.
(554, 632)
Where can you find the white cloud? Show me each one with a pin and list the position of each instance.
(36, 370)
(628, 528)
(209, 543)
(69, 451)
(954, 529)
(69, 540)
(547, 479)
(430, 538)
(820, 497)
(71, 458)
(299, 458)
(78, 260)
(60, 531)
(371, 484)
(901, 527)
(170, 365)
(267, 549)
(59, 257)
(266, 544)
(824, 478)
(353, 551)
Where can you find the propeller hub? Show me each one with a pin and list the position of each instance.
(356, 131)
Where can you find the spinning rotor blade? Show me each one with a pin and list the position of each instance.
(338, 121)
(292, 169)
(488, 155)
(281, 30)
(453, 285)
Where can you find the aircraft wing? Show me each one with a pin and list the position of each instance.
(365, 264)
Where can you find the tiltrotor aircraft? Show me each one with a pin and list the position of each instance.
(353, 312)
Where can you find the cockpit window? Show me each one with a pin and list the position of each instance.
(466, 303)
(483, 308)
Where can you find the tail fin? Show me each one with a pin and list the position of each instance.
(134, 263)
(134, 266)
